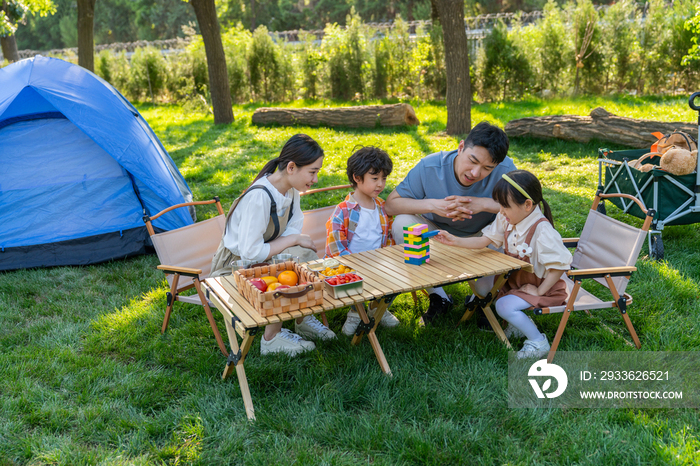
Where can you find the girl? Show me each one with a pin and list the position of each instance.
(266, 220)
(525, 233)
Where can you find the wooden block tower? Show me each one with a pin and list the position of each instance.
(416, 248)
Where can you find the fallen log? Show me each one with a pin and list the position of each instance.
(601, 125)
(368, 116)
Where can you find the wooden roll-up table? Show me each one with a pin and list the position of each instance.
(385, 274)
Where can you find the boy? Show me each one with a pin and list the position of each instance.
(360, 223)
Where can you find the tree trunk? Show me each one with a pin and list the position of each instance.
(86, 42)
(409, 8)
(459, 98)
(252, 16)
(369, 116)
(205, 10)
(9, 48)
(600, 125)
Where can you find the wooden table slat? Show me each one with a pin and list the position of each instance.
(367, 269)
(370, 276)
(401, 283)
(425, 272)
(470, 262)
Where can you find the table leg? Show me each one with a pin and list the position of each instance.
(496, 326)
(371, 336)
(498, 283)
(212, 322)
(236, 359)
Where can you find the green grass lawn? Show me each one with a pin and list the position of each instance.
(87, 377)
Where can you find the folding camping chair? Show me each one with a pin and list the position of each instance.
(315, 220)
(185, 256)
(607, 252)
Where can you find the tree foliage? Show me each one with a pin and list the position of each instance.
(14, 12)
(693, 25)
(503, 68)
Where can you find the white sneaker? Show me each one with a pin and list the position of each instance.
(311, 327)
(534, 349)
(285, 342)
(351, 323)
(389, 320)
(513, 332)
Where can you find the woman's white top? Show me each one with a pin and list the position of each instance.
(247, 225)
(547, 250)
(368, 233)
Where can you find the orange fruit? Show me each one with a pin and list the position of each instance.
(269, 280)
(288, 278)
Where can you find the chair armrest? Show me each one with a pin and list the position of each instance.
(181, 270)
(570, 242)
(602, 272)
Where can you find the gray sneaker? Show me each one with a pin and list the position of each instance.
(351, 323)
(389, 320)
(285, 342)
(312, 328)
(534, 349)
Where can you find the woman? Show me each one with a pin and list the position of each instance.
(266, 220)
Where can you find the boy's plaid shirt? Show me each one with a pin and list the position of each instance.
(341, 226)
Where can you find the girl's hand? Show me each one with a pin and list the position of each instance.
(305, 241)
(446, 238)
(530, 289)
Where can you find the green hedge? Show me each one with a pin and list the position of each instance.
(575, 49)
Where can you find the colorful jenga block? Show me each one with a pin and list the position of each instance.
(416, 248)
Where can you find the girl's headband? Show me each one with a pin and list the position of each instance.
(516, 186)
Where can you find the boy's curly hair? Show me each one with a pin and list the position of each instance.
(368, 159)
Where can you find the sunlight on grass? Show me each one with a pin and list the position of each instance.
(125, 318)
(681, 447)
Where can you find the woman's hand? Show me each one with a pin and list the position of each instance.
(446, 238)
(530, 289)
(305, 241)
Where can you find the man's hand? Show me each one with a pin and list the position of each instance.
(442, 207)
(463, 207)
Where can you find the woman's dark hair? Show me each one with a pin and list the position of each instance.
(300, 149)
(370, 160)
(504, 192)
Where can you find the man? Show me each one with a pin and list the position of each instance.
(452, 191)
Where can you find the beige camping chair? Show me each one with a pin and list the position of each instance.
(185, 256)
(315, 220)
(606, 252)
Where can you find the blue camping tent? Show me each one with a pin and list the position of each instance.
(79, 168)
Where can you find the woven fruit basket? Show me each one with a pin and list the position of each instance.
(270, 303)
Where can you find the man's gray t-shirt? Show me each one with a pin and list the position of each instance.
(434, 178)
